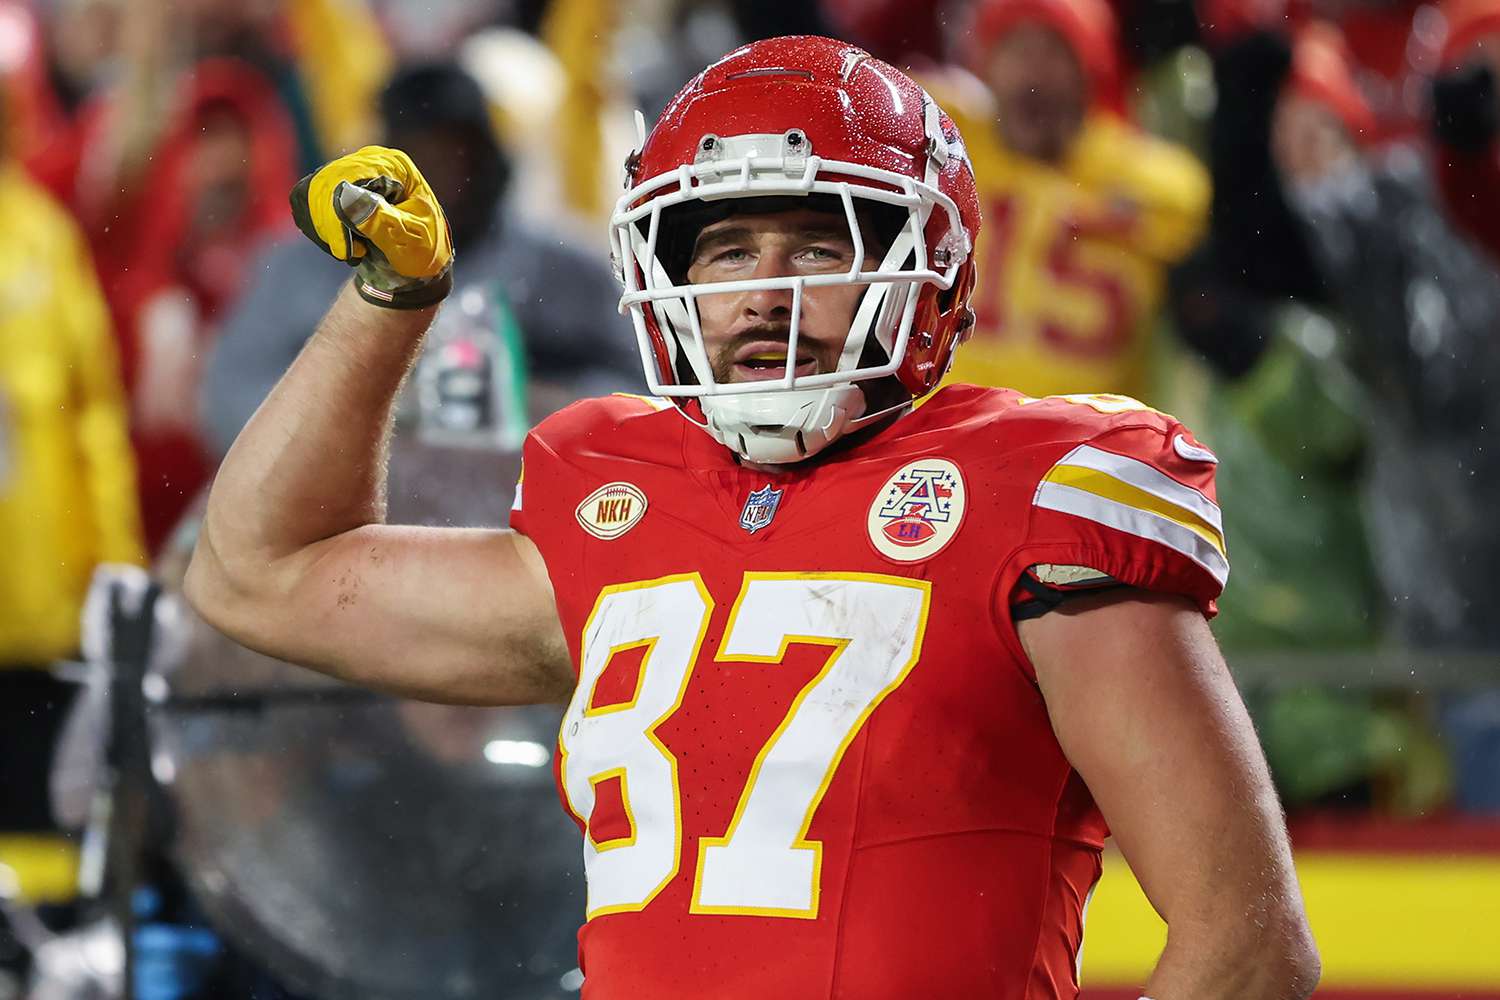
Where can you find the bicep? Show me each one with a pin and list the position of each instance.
(1145, 709)
(464, 616)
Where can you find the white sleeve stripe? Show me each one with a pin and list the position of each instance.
(1145, 477)
(1132, 520)
(515, 504)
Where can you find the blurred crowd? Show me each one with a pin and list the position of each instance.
(1279, 219)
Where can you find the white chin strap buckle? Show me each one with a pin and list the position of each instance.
(780, 427)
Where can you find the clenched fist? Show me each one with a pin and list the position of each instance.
(373, 209)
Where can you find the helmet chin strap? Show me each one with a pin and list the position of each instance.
(781, 427)
(777, 428)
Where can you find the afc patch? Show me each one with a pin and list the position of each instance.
(611, 510)
(918, 510)
(760, 508)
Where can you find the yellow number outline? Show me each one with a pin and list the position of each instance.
(838, 646)
(649, 731)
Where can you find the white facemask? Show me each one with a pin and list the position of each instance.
(794, 417)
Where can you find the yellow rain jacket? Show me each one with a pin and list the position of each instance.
(344, 61)
(67, 480)
(1073, 259)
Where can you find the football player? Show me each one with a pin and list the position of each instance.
(856, 691)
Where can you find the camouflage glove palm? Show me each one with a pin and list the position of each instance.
(373, 209)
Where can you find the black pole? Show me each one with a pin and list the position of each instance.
(129, 759)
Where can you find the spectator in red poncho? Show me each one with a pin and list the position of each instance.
(169, 238)
(926, 35)
(1321, 116)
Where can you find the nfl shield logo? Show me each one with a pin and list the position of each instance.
(760, 507)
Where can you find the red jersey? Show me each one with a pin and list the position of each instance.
(807, 752)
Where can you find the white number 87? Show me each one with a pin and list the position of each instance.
(764, 864)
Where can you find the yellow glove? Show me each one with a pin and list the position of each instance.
(374, 210)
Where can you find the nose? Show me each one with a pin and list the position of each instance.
(770, 303)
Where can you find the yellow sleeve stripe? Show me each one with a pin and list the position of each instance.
(1129, 495)
(1148, 478)
(1102, 484)
(1134, 521)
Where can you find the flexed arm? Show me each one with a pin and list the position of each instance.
(294, 558)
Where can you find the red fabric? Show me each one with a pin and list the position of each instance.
(149, 225)
(898, 31)
(1322, 72)
(145, 242)
(1372, 41)
(1448, 833)
(1470, 182)
(1324, 993)
(1223, 21)
(1380, 37)
(1468, 21)
(1471, 188)
(29, 111)
(957, 844)
(1088, 26)
(173, 465)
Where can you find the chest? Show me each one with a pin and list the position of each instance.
(757, 657)
(830, 554)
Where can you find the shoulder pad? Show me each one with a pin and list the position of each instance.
(587, 417)
(1083, 416)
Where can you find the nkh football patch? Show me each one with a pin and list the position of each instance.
(918, 510)
(612, 510)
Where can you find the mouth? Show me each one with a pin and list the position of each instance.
(763, 363)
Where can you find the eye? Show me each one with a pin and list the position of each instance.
(734, 255)
(822, 253)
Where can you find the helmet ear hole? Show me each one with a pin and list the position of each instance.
(946, 297)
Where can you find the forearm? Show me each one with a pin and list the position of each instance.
(1234, 962)
(310, 464)
(1146, 710)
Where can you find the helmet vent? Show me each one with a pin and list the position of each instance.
(771, 71)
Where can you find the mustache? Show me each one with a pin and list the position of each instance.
(723, 359)
(761, 331)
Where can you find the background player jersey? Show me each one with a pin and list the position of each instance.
(807, 752)
(1074, 259)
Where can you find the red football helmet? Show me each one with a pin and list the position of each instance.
(817, 119)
